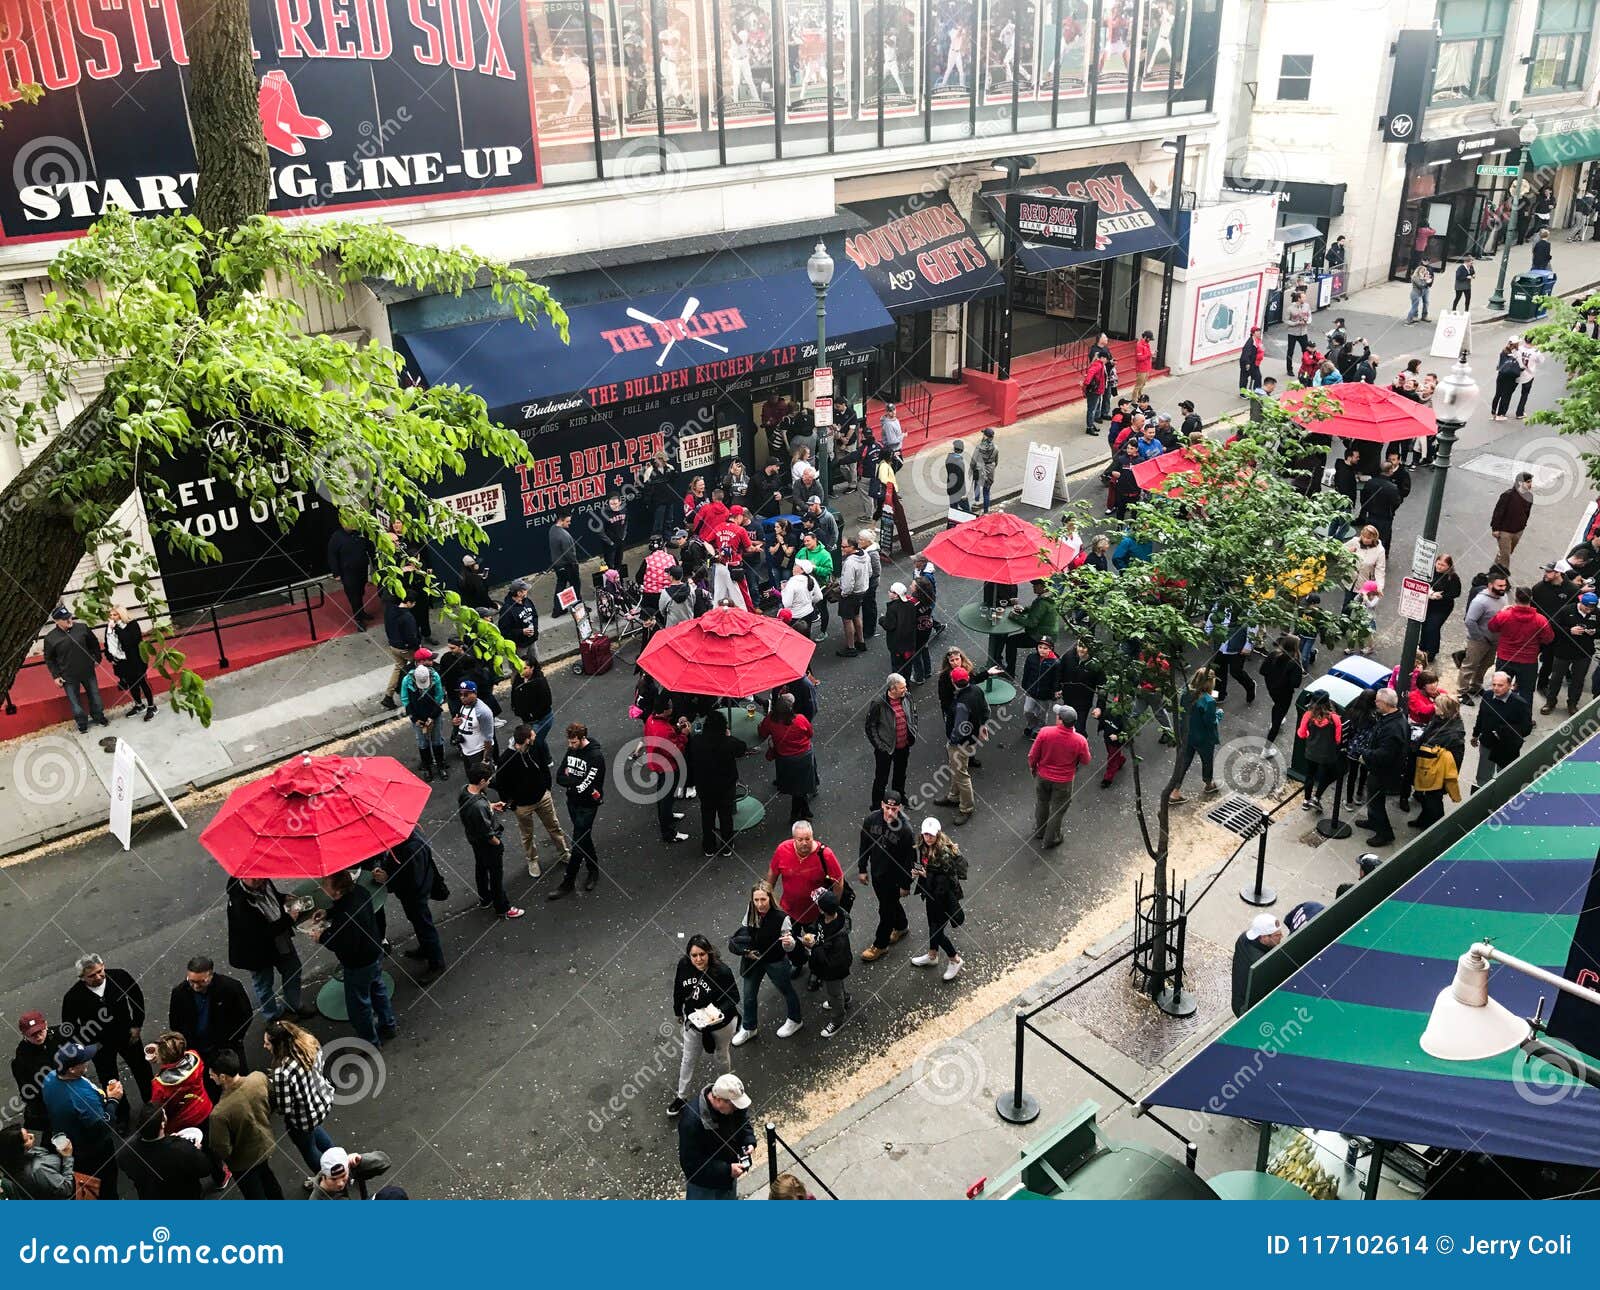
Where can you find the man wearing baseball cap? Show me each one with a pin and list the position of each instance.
(85, 1113)
(1264, 934)
(474, 724)
(1572, 650)
(887, 853)
(964, 734)
(71, 655)
(33, 1060)
(716, 1140)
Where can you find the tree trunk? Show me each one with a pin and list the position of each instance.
(39, 547)
(230, 149)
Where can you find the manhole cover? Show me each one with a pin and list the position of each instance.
(1238, 815)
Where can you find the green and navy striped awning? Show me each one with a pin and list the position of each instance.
(1336, 1046)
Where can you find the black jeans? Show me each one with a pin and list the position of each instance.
(105, 1062)
(716, 822)
(1462, 294)
(1568, 670)
(1280, 709)
(1318, 778)
(1303, 341)
(1378, 816)
(259, 1182)
(420, 916)
(489, 869)
(1020, 641)
(1432, 800)
(891, 913)
(583, 817)
(666, 790)
(938, 928)
(869, 612)
(566, 576)
(1227, 665)
(356, 594)
(889, 769)
(1525, 389)
(1504, 387)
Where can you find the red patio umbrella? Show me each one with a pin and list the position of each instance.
(999, 547)
(726, 653)
(314, 816)
(1370, 413)
(1156, 471)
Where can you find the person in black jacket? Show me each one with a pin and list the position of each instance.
(1347, 476)
(702, 982)
(350, 932)
(1442, 596)
(1282, 674)
(480, 822)
(1505, 719)
(404, 638)
(888, 850)
(261, 942)
(408, 872)
(523, 780)
(123, 637)
(1444, 733)
(764, 942)
(473, 584)
(1551, 594)
(583, 774)
(213, 1011)
(829, 943)
(715, 1141)
(1380, 499)
(1577, 626)
(1388, 754)
(106, 1007)
(350, 561)
(712, 757)
(163, 1168)
(71, 655)
(532, 702)
(35, 1057)
(1041, 685)
(891, 726)
(519, 619)
(900, 627)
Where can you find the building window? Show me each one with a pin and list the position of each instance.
(1471, 33)
(1294, 78)
(1560, 45)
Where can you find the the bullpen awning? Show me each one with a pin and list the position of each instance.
(919, 253)
(1129, 221)
(624, 351)
(1336, 1046)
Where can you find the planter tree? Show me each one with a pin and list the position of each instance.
(1234, 544)
(201, 357)
(1577, 413)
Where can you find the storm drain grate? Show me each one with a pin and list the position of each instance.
(1238, 815)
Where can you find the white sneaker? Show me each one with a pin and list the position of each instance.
(534, 871)
(741, 1037)
(788, 1028)
(954, 970)
(930, 959)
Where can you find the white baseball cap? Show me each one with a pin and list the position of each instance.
(334, 1160)
(931, 828)
(897, 588)
(731, 1088)
(1263, 925)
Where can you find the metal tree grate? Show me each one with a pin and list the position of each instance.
(1238, 815)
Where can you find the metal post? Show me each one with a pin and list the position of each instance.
(1258, 893)
(1173, 207)
(1498, 299)
(1374, 1170)
(772, 1152)
(216, 630)
(1430, 531)
(1263, 1146)
(1008, 269)
(1334, 827)
(824, 433)
(1175, 1001)
(1017, 1107)
(311, 618)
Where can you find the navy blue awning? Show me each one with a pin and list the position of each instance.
(919, 253)
(1129, 223)
(623, 351)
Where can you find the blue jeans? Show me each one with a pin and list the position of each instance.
(541, 731)
(1308, 651)
(980, 495)
(311, 1143)
(1092, 404)
(367, 998)
(1419, 304)
(782, 976)
(661, 520)
(77, 692)
(435, 740)
(288, 967)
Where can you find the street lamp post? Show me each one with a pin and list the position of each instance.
(819, 268)
(1454, 402)
(1527, 135)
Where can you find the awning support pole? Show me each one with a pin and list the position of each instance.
(1173, 207)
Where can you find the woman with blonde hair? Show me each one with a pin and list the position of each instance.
(1205, 731)
(297, 1088)
(762, 944)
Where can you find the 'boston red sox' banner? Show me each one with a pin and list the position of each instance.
(363, 102)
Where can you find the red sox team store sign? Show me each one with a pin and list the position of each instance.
(363, 102)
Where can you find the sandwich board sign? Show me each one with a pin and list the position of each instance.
(1043, 475)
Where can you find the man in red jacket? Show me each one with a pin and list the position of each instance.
(1523, 629)
(1054, 759)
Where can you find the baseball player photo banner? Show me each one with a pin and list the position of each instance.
(368, 103)
(951, 68)
(1011, 39)
(1116, 43)
(1163, 44)
(810, 49)
(748, 91)
(1064, 49)
(888, 40)
(558, 48)
(668, 31)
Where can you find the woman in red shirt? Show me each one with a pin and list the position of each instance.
(662, 747)
(179, 1086)
(790, 750)
(1144, 361)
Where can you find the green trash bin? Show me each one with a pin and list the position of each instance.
(1526, 289)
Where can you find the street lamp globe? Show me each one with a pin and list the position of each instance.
(1456, 398)
(819, 268)
(1528, 133)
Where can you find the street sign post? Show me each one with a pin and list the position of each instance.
(1507, 172)
(1423, 554)
(822, 396)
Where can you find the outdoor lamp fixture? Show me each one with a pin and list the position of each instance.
(1014, 165)
(819, 268)
(1467, 1025)
(1456, 397)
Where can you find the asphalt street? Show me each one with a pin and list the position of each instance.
(541, 1062)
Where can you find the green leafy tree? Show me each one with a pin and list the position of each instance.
(1234, 544)
(201, 355)
(1577, 413)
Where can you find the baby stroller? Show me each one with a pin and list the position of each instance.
(618, 605)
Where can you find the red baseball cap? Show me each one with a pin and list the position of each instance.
(423, 656)
(32, 1024)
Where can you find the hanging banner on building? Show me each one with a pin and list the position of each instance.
(1410, 85)
(558, 44)
(1224, 313)
(668, 30)
(919, 254)
(1163, 44)
(1064, 49)
(1011, 41)
(749, 71)
(1056, 221)
(812, 50)
(480, 505)
(889, 40)
(951, 68)
(388, 101)
(1116, 43)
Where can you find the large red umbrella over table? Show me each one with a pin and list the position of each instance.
(316, 815)
(1154, 472)
(726, 652)
(1369, 413)
(999, 547)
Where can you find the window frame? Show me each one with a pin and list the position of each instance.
(1577, 40)
(1298, 78)
(1487, 49)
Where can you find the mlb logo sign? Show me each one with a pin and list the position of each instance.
(1232, 232)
